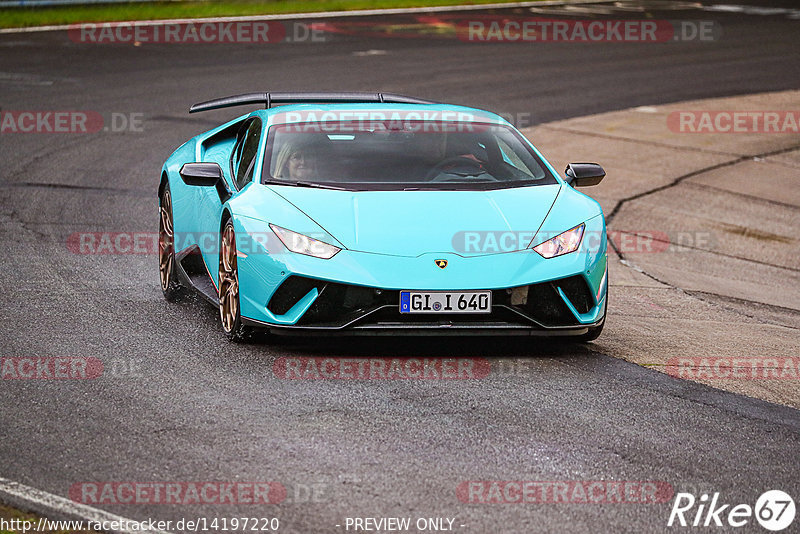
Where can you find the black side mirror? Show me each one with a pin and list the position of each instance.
(208, 175)
(203, 174)
(584, 174)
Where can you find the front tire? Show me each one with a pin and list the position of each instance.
(170, 285)
(229, 309)
(592, 334)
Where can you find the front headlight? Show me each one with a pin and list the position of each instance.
(563, 243)
(302, 244)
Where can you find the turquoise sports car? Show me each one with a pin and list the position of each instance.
(376, 214)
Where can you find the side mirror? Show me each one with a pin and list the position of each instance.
(208, 175)
(584, 174)
(203, 174)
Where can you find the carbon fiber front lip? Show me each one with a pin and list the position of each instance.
(435, 328)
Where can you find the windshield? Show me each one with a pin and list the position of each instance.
(413, 155)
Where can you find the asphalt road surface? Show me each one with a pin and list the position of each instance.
(179, 403)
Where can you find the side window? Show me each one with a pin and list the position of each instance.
(236, 153)
(246, 152)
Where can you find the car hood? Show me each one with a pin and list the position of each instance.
(411, 223)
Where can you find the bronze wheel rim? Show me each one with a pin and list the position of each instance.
(228, 280)
(166, 242)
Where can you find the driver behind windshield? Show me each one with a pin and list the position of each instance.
(297, 162)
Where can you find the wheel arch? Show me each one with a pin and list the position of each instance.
(163, 183)
(224, 218)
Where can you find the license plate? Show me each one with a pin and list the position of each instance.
(445, 302)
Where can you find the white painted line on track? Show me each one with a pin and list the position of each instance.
(318, 15)
(57, 508)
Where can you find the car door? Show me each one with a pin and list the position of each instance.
(237, 171)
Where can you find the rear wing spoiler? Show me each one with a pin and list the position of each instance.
(269, 99)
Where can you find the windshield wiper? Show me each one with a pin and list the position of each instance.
(306, 184)
(319, 186)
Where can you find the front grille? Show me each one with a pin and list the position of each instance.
(340, 304)
(336, 303)
(546, 306)
(290, 291)
(577, 291)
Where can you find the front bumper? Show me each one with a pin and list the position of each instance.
(548, 309)
(357, 293)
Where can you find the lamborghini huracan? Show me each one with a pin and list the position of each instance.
(380, 214)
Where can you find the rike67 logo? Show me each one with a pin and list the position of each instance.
(774, 510)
